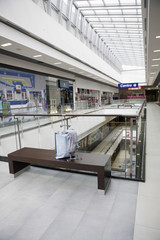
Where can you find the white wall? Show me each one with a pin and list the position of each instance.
(82, 83)
(27, 15)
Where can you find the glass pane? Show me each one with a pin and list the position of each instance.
(111, 2)
(81, 3)
(127, 2)
(96, 3)
(115, 11)
(88, 12)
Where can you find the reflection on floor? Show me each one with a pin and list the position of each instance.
(43, 204)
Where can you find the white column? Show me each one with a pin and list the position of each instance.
(99, 97)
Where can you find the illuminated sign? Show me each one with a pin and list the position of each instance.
(128, 85)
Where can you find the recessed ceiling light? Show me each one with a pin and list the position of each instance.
(6, 44)
(156, 59)
(157, 36)
(56, 63)
(36, 56)
(155, 65)
(158, 50)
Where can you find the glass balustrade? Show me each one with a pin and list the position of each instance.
(119, 132)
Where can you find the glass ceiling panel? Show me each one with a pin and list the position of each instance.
(111, 2)
(82, 3)
(114, 11)
(139, 11)
(100, 12)
(119, 24)
(128, 2)
(131, 11)
(103, 19)
(133, 19)
(117, 19)
(88, 12)
(96, 3)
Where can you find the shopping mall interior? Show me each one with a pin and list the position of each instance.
(79, 120)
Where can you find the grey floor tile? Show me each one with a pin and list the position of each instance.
(62, 195)
(128, 186)
(118, 230)
(90, 227)
(64, 225)
(145, 233)
(37, 224)
(7, 230)
(81, 198)
(153, 185)
(101, 205)
(148, 212)
(90, 180)
(114, 184)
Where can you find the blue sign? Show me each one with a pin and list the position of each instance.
(128, 85)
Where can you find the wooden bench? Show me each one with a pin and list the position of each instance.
(92, 162)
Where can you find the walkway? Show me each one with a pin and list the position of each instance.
(147, 224)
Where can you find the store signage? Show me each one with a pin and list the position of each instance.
(135, 88)
(128, 85)
(63, 83)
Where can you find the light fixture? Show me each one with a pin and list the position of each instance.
(36, 56)
(56, 63)
(157, 36)
(153, 73)
(158, 50)
(156, 59)
(155, 65)
(6, 44)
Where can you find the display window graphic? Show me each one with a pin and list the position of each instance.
(12, 79)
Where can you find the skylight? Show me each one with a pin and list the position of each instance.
(119, 24)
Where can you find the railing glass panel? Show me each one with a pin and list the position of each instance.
(98, 130)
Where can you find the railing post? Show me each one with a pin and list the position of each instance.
(125, 146)
(19, 137)
(131, 145)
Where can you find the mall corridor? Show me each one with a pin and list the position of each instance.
(147, 224)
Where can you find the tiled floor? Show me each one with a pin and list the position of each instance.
(43, 204)
(147, 224)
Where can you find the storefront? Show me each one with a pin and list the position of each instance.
(27, 90)
(87, 97)
(59, 94)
